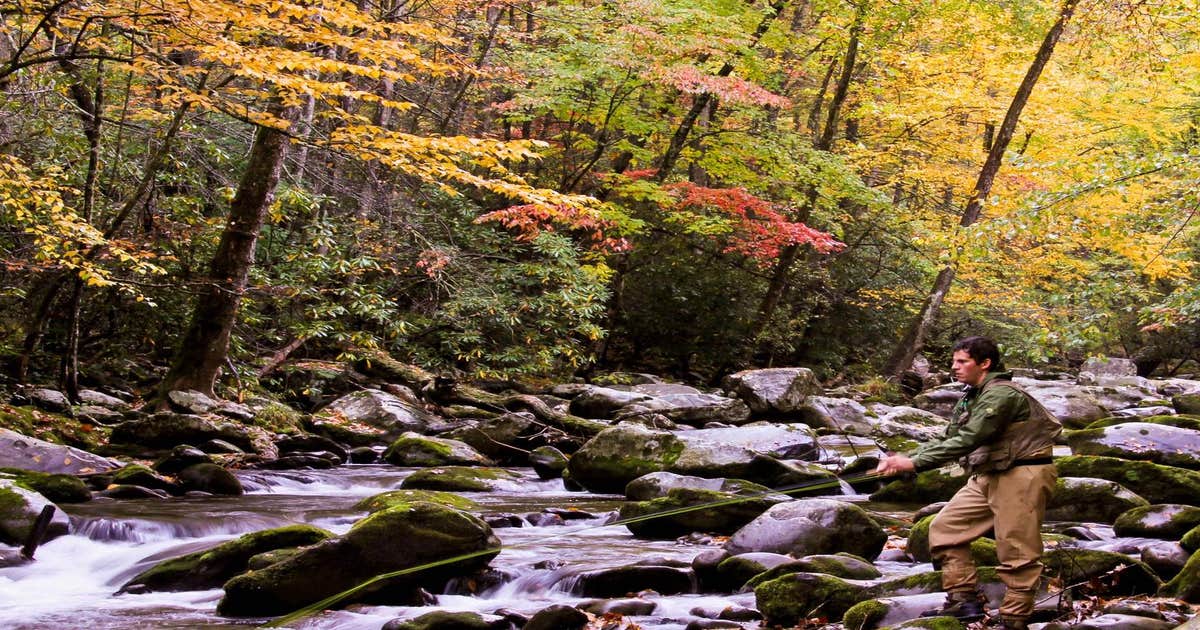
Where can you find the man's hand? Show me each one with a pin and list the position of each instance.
(895, 465)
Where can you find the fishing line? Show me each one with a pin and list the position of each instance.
(328, 602)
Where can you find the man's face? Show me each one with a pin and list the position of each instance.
(966, 370)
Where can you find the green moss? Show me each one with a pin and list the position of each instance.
(933, 623)
(1185, 585)
(789, 599)
(1153, 482)
(1191, 540)
(1158, 521)
(413, 450)
(56, 488)
(279, 418)
(1183, 421)
(721, 519)
(864, 615)
(53, 427)
(393, 498)
(927, 487)
(915, 584)
(457, 478)
(1123, 574)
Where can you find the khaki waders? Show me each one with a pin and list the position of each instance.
(1013, 503)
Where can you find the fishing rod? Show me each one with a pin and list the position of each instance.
(311, 609)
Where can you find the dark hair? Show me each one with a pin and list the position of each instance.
(980, 348)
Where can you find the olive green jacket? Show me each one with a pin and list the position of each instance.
(980, 416)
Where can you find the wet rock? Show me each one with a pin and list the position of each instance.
(720, 519)
(733, 571)
(1112, 622)
(778, 390)
(138, 475)
(1166, 521)
(297, 462)
(784, 441)
(412, 449)
(363, 455)
(926, 487)
(639, 607)
(1141, 441)
(811, 526)
(692, 409)
(370, 416)
(1186, 403)
(166, 430)
(548, 462)
(841, 565)
(401, 537)
(1181, 421)
(1074, 406)
(507, 437)
(181, 457)
(54, 487)
(1153, 482)
(19, 510)
(1090, 500)
(461, 479)
(632, 578)
(865, 615)
(660, 484)
(705, 565)
(28, 453)
(392, 498)
(308, 443)
(711, 624)
(1186, 584)
(621, 454)
(213, 567)
(210, 478)
(221, 447)
(557, 617)
(126, 491)
(446, 620)
(1166, 558)
(1117, 573)
(544, 519)
(1175, 613)
(500, 521)
(790, 599)
(604, 402)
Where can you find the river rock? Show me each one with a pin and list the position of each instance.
(1165, 521)
(629, 579)
(213, 567)
(28, 453)
(462, 479)
(620, 454)
(841, 565)
(372, 415)
(1186, 584)
(547, 462)
(557, 617)
(210, 478)
(191, 402)
(811, 526)
(314, 461)
(128, 491)
(392, 498)
(659, 484)
(1186, 403)
(783, 441)
(1117, 572)
(98, 415)
(1166, 558)
(926, 487)
(772, 390)
(1153, 482)
(413, 449)
(719, 519)
(1143, 441)
(1074, 406)
(603, 402)
(1090, 500)
(789, 600)
(309, 443)
(19, 510)
(506, 438)
(55, 488)
(166, 430)
(693, 409)
(1172, 420)
(394, 539)
(138, 475)
(940, 400)
(181, 457)
(731, 572)
(447, 620)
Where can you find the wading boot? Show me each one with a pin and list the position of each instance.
(967, 606)
(1011, 623)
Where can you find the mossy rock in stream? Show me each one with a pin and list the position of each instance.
(1154, 482)
(1183, 421)
(461, 479)
(19, 511)
(1119, 573)
(864, 615)
(720, 519)
(139, 475)
(1090, 500)
(447, 620)
(1165, 521)
(392, 498)
(405, 536)
(414, 449)
(983, 550)
(57, 488)
(1186, 584)
(792, 598)
(213, 567)
(930, 486)
(1191, 540)
(620, 454)
(840, 565)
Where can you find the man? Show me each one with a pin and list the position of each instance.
(1004, 438)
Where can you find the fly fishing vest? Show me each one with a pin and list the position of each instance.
(1017, 443)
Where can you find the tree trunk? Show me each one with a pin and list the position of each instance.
(914, 339)
(205, 346)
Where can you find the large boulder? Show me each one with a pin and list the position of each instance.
(370, 415)
(56, 488)
(507, 437)
(604, 402)
(784, 441)
(210, 568)
(392, 498)
(1144, 441)
(811, 526)
(166, 430)
(693, 409)
(29, 453)
(1166, 521)
(1109, 366)
(725, 517)
(413, 449)
(791, 599)
(620, 454)
(210, 478)
(1186, 584)
(1153, 482)
(462, 479)
(1074, 406)
(772, 390)
(618, 581)
(659, 484)
(1090, 500)
(19, 511)
(403, 537)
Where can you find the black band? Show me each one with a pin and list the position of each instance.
(1033, 461)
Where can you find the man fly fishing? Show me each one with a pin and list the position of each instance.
(1004, 438)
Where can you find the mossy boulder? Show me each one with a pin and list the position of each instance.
(375, 413)
(1186, 584)
(926, 487)
(932, 623)
(1121, 574)
(461, 479)
(505, 438)
(166, 430)
(548, 462)
(1154, 482)
(56, 488)
(413, 449)
(1140, 441)
(1191, 540)
(392, 498)
(1090, 500)
(19, 450)
(210, 478)
(19, 511)
(843, 565)
(403, 537)
(983, 550)
(811, 526)
(277, 417)
(1183, 421)
(1165, 521)
(213, 567)
(792, 598)
(139, 475)
(620, 454)
(1186, 403)
(447, 620)
(865, 615)
(725, 518)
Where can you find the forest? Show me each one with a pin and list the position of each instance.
(195, 194)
